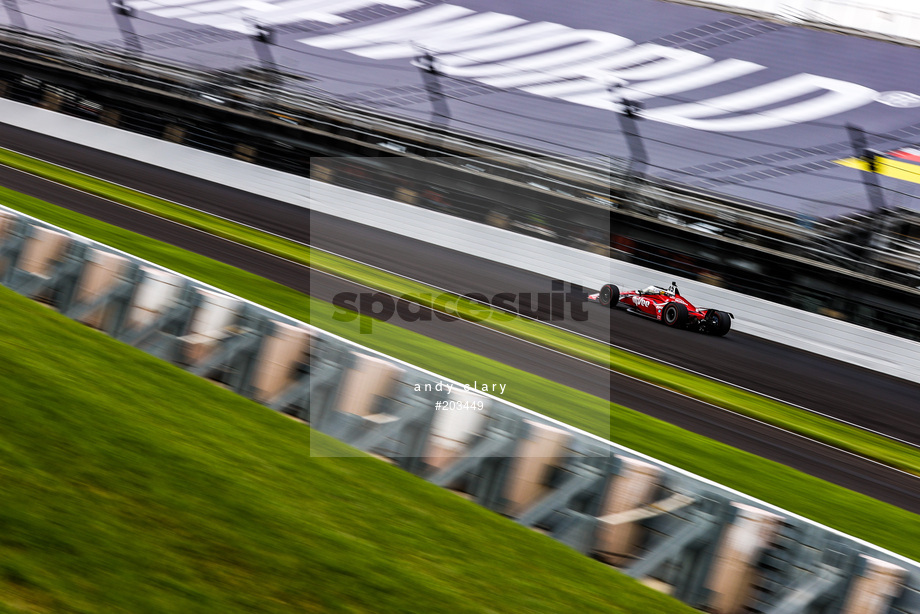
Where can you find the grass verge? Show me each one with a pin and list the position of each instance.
(813, 426)
(131, 486)
(869, 519)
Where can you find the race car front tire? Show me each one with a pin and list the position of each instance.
(609, 296)
(675, 315)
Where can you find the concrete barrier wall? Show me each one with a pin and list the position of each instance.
(165, 154)
(713, 547)
(807, 331)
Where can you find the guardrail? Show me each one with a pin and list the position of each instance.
(707, 545)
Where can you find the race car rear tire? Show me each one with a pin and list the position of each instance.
(609, 296)
(675, 315)
(719, 323)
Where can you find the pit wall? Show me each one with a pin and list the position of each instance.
(778, 323)
(712, 547)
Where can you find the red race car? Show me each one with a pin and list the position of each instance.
(667, 306)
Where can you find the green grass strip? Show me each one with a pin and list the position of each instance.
(810, 425)
(130, 485)
(869, 519)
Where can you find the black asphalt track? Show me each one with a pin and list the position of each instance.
(856, 394)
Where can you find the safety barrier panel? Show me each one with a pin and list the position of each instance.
(705, 544)
(812, 332)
